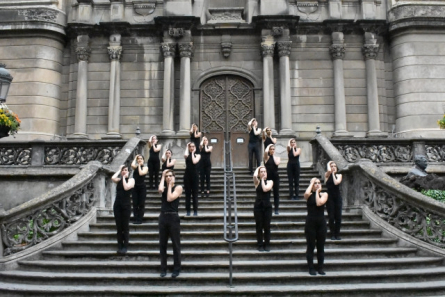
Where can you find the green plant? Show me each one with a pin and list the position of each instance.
(9, 119)
(441, 122)
(435, 194)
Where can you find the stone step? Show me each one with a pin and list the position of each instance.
(242, 244)
(124, 266)
(223, 254)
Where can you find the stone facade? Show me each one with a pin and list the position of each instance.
(97, 69)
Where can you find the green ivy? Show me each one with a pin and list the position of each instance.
(435, 194)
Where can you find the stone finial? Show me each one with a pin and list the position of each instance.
(168, 49)
(337, 51)
(186, 49)
(226, 48)
(284, 48)
(83, 53)
(267, 48)
(115, 52)
(370, 51)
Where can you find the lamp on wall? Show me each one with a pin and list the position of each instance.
(5, 82)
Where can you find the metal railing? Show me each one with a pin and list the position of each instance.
(230, 223)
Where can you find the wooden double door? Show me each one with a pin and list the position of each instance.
(227, 105)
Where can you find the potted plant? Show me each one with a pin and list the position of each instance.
(9, 122)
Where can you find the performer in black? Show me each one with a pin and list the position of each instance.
(169, 223)
(254, 143)
(122, 207)
(271, 162)
(191, 178)
(139, 191)
(153, 162)
(268, 138)
(167, 161)
(293, 168)
(262, 209)
(205, 164)
(315, 228)
(335, 202)
(195, 136)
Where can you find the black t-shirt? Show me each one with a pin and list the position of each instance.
(262, 198)
(314, 211)
(169, 206)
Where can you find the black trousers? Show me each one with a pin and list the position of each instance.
(276, 192)
(139, 194)
(122, 212)
(254, 148)
(334, 206)
(293, 175)
(170, 226)
(315, 231)
(191, 183)
(153, 173)
(206, 168)
(262, 221)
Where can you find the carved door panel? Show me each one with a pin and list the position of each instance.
(227, 105)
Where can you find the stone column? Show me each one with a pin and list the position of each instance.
(83, 52)
(267, 48)
(337, 50)
(370, 51)
(284, 49)
(115, 51)
(185, 51)
(169, 51)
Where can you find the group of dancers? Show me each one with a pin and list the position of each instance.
(266, 180)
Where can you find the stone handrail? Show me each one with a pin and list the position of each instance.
(49, 214)
(366, 184)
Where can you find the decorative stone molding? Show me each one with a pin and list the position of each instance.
(15, 156)
(115, 52)
(226, 15)
(277, 31)
(385, 153)
(435, 153)
(307, 8)
(186, 49)
(284, 48)
(337, 51)
(168, 49)
(144, 8)
(83, 53)
(38, 14)
(56, 155)
(267, 49)
(176, 32)
(226, 48)
(370, 51)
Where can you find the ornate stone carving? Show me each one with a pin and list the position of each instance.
(38, 14)
(277, 31)
(176, 32)
(83, 53)
(27, 231)
(226, 48)
(185, 49)
(284, 48)
(267, 49)
(168, 49)
(226, 15)
(307, 8)
(370, 51)
(56, 155)
(337, 51)
(435, 153)
(413, 220)
(15, 156)
(115, 52)
(376, 153)
(144, 8)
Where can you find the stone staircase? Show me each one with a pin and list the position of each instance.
(363, 263)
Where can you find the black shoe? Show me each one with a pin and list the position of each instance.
(338, 237)
(312, 271)
(276, 212)
(321, 272)
(333, 238)
(266, 247)
(260, 248)
(123, 250)
(195, 213)
(188, 213)
(175, 274)
(163, 273)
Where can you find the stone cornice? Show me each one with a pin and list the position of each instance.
(337, 51)
(115, 52)
(284, 48)
(370, 51)
(267, 48)
(416, 15)
(185, 49)
(168, 49)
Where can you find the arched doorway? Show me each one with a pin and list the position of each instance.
(227, 104)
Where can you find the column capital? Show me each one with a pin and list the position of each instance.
(83, 53)
(370, 51)
(337, 51)
(284, 48)
(267, 48)
(115, 52)
(185, 49)
(168, 49)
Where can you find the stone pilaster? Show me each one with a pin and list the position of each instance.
(338, 50)
(114, 51)
(186, 52)
(169, 52)
(267, 50)
(284, 50)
